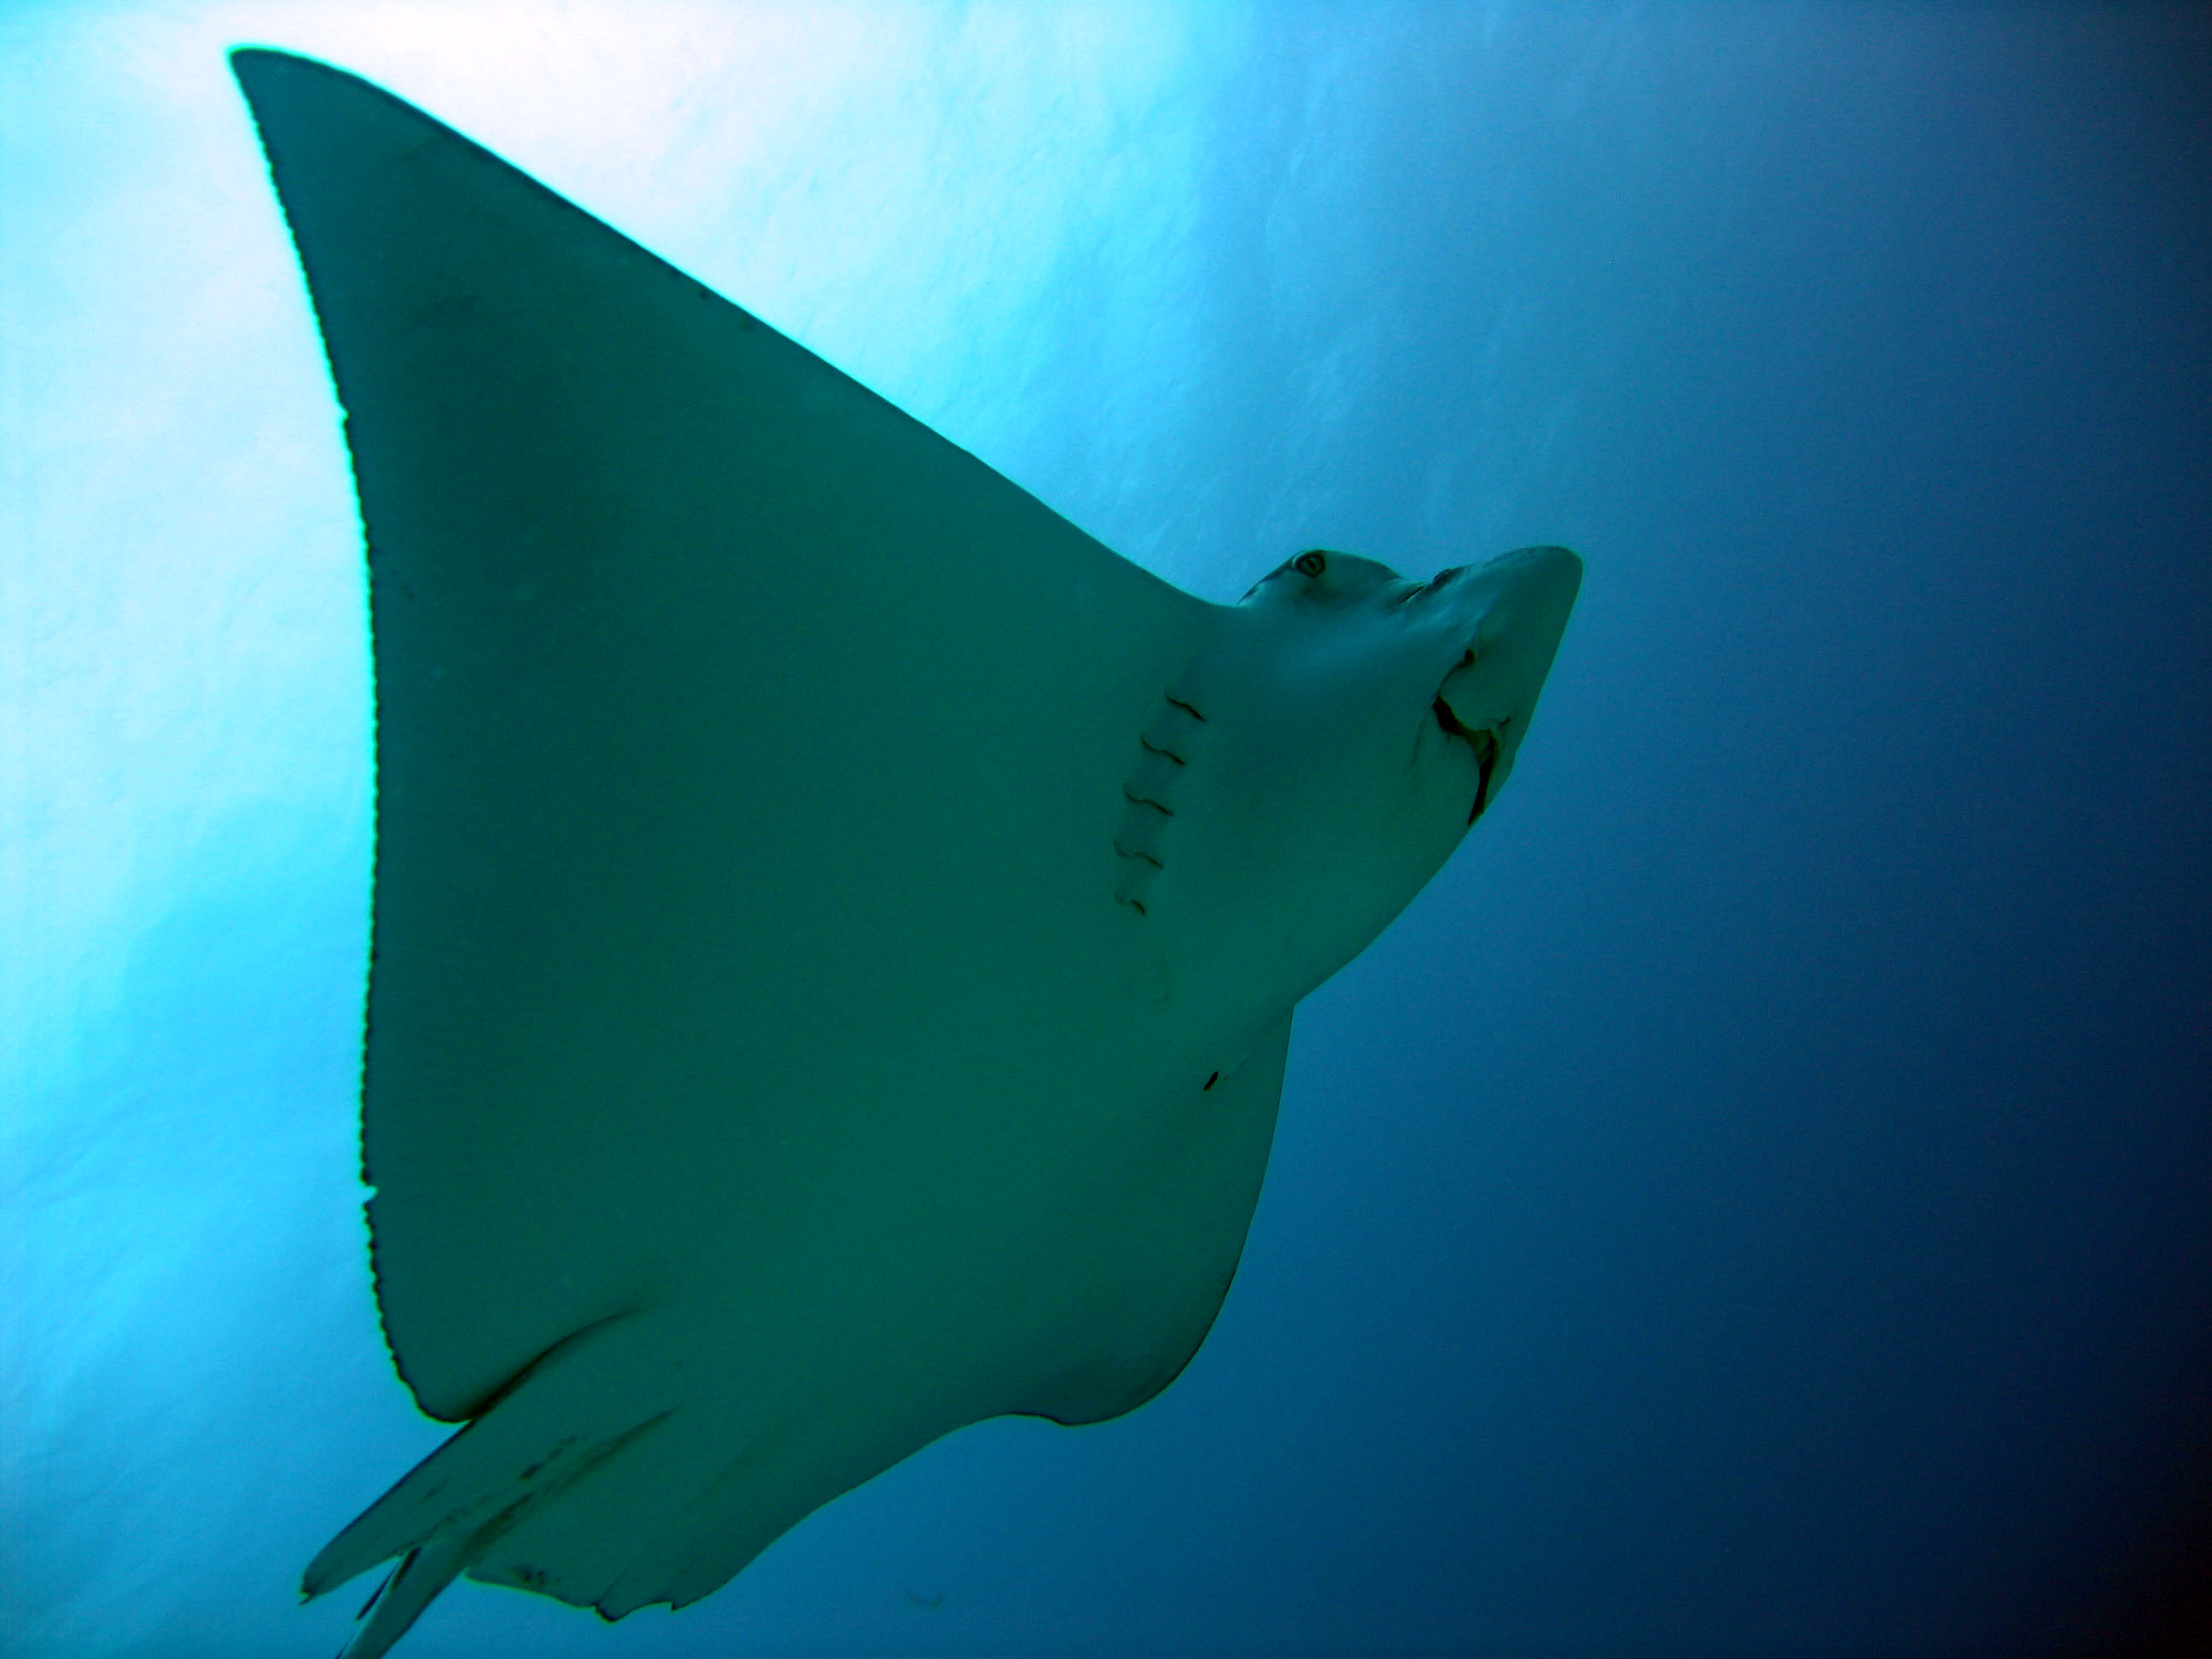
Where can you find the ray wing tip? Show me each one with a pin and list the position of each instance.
(251, 59)
(260, 68)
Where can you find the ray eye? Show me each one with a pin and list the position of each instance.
(1310, 564)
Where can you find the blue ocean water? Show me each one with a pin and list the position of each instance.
(1758, 1200)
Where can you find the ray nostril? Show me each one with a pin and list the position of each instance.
(1485, 744)
(1485, 761)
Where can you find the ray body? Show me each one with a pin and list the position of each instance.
(836, 925)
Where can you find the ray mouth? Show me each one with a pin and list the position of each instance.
(1483, 741)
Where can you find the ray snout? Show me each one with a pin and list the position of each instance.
(1514, 608)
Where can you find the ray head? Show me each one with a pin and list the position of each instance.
(1364, 721)
(1472, 647)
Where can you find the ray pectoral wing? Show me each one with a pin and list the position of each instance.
(1148, 1302)
(643, 573)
